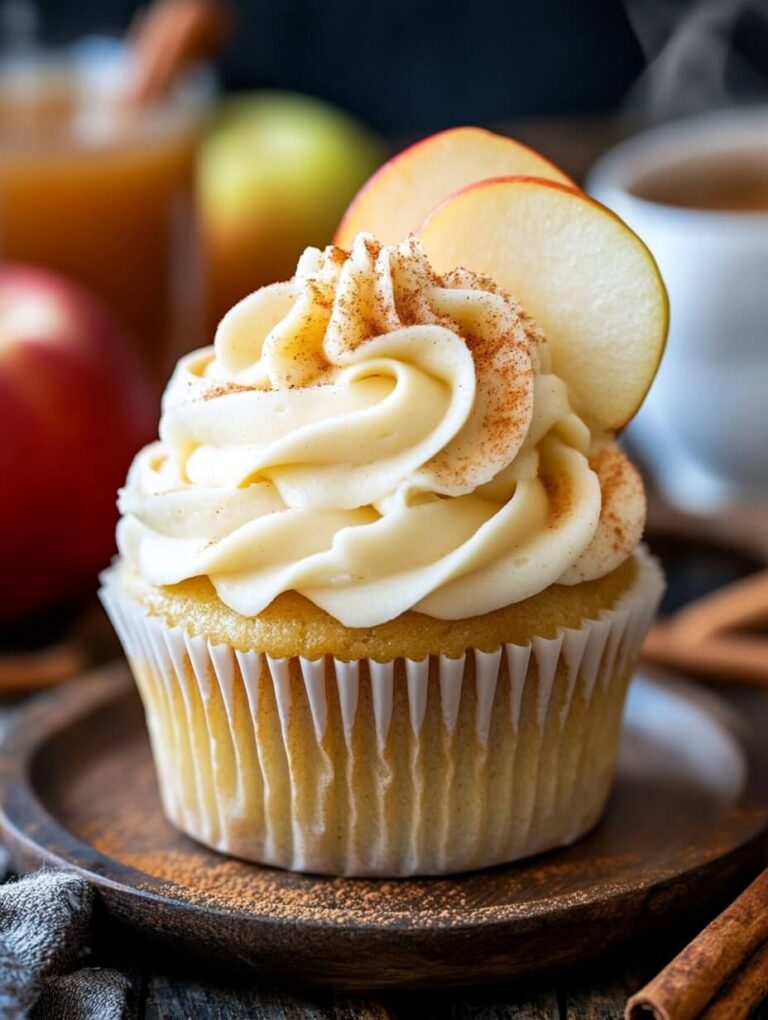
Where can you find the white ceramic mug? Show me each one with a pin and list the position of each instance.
(704, 427)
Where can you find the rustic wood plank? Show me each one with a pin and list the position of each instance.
(170, 998)
(602, 1001)
(493, 1004)
(601, 992)
(540, 1006)
(174, 998)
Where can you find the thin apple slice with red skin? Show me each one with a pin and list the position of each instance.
(398, 197)
(587, 279)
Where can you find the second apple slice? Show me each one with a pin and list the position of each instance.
(578, 269)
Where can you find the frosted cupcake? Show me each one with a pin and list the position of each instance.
(379, 580)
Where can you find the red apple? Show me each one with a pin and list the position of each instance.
(75, 406)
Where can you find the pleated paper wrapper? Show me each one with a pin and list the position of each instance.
(387, 768)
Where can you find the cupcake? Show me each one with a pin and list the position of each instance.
(380, 582)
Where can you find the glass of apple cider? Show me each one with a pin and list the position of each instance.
(104, 193)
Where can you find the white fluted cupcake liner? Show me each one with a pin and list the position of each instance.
(397, 768)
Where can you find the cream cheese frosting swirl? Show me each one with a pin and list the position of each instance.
(379, 439)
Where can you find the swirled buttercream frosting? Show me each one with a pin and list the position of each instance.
(379, 439)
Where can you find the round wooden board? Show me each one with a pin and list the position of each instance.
(687, 819)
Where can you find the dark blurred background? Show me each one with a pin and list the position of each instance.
(418, 65)
(412, 66)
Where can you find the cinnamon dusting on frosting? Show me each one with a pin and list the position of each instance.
(224, 390)
(378, 438)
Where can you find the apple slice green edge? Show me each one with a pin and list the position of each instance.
(577, 268)
(408, 186)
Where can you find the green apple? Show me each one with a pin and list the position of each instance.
(276, 172)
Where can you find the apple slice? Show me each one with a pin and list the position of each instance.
(392, 203)
(588, 280)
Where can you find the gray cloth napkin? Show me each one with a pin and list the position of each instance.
(44, 926)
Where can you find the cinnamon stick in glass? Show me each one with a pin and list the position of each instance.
(166, 37)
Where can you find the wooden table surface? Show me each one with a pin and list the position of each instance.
(600, 995)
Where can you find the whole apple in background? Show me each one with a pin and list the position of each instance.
(276, 172)
(75, 406)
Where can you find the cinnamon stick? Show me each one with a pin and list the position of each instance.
(738, 657)
(28, 671)
(740, 603)
(726, 949)
(167, 37)
(696, 638)
(746, 990)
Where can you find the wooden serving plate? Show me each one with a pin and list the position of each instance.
(687, 821)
